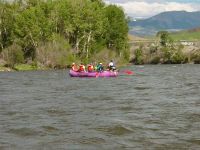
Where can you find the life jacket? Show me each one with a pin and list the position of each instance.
(99, 67)
(81, 68)
(90, 68)
(74, 68)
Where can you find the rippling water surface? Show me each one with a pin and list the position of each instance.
(156, 108)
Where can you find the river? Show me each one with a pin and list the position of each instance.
(158, 107)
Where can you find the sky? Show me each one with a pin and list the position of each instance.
(148, 8)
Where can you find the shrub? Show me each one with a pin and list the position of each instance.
(55, 55)
(178, 58)
(138, 56)
(167, 53)
(196, 58)
(13, 55)
(153, 49)
(126, 54)
(155, 60)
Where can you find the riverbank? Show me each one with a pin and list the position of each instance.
(190, 58)
(22, 67)
(140, 54)
(5, 69)
(34, 67)
(52, 62)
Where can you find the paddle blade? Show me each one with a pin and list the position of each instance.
(97, 74)
(129, 72)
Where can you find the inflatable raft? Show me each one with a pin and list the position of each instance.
(93, 74)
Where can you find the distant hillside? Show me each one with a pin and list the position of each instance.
(135, 38)
(194, 30)
(170, 20)
(192, 35)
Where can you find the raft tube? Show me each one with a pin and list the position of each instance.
(93, 74)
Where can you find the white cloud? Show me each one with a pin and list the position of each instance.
(147, 9)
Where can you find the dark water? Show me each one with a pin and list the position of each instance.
(156, 108)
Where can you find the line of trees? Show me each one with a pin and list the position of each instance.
(58, 32)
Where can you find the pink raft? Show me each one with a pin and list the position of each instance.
(93, 74)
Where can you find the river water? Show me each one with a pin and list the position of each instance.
(156, 108)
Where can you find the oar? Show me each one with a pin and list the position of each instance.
(97, 74)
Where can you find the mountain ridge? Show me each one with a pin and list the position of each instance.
(170, 20)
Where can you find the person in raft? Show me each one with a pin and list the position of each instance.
(74, 67)
(111, 66)
(90, 68)
(100, 67)
(82, 68)
(95, 66)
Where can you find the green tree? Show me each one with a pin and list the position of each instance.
(139, 55)
(7, 19)
(32, 27)
(87, 26)
(117, 28)
(164, 38)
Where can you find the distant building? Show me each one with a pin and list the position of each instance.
(186, 43)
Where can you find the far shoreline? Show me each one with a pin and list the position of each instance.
(28, 67)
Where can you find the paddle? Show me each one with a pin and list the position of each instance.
(97, 74)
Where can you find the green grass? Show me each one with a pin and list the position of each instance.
(24, 67)
(2, 68)
(185, 35)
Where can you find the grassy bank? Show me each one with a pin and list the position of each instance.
(188, 35)
(21, 67)
(25, 67)
(2, 68)
(185, 35)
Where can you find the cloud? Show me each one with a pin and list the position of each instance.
(149, 8)
(150, 1)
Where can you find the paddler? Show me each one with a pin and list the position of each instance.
(111, 66)
(90, 68)
(74, 67)
(82, 68)
(100, 67)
